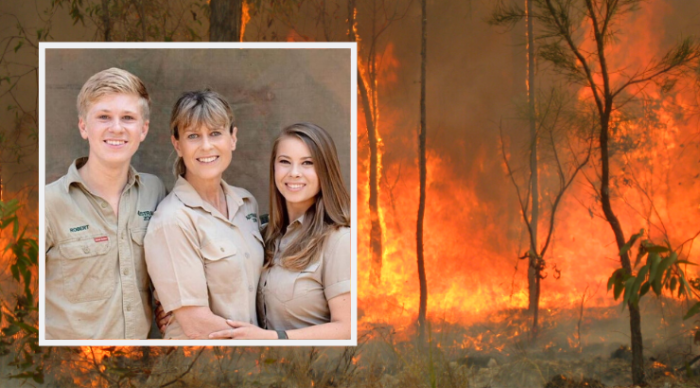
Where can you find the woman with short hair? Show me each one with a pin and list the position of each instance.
(203, 247)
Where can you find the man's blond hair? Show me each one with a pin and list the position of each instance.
(113, 81)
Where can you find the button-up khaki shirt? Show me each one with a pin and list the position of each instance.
(198, 257)
(97, 284)
(293, 300)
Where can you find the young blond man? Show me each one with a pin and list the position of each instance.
(97, 285)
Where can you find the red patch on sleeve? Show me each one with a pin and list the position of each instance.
(101, 239)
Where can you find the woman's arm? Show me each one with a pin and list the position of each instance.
(337, 328)
(198, 321)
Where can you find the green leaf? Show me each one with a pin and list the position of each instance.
(656, 249)
(692, 311)
(27, 328)
(686, 262)
(685, 287)
(11, 330)
(644, 289)
(625, 248)
(674, 282)
(634, 292)
(15, 272)
(619, 287)
(614, 277)
(654, 260)
(19, 45)
(628, 289)
(665, 264)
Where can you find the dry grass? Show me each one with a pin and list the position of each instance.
(494, 353)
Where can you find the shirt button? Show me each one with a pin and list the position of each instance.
(126, 272)
(247, 255)
(222, 249)
(86, 249)
(128, 308)
(103, 205)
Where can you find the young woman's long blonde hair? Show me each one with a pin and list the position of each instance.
(330, 211)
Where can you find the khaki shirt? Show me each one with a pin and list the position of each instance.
(293, 300)
(97, 285)
(197, 257)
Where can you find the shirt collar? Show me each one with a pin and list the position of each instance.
(73, 176)
(187, 194)
(296, 223)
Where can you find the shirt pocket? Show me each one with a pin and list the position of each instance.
(89, 272)
(293, 284)
(222, 266)
(137, 236)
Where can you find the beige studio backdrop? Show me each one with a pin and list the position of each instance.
(268, 89)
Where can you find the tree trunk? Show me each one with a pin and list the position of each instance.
(533, 273)
(142, 15)
(375, 234)
(225, 21)
(106, 22)
(638, 375)
(423, 173)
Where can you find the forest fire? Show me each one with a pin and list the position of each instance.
(473, 243)
(480, 332)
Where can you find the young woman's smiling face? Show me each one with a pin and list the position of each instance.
(295, 176)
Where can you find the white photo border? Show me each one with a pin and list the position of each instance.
(43, 46)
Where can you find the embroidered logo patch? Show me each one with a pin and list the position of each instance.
(252, 217)
(79, 228)
(101, 239)
(146, 214)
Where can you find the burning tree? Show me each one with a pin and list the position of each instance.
(576, 37)
(558, 128)
(226, 20)
(422, 311)
(555, 117)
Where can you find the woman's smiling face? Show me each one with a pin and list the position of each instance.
(295, 176)
(205, 151)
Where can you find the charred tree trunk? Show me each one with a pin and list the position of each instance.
(638, 375)
(368, 102)
(533, 271)
(375, 234)
(106, 22)
(423, 173)
(226, 20)
(605, 109)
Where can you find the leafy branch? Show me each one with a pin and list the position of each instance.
(19, 323)
(661, 271)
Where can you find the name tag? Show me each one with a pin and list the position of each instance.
(101, 239)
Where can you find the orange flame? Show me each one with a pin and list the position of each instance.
(472, 242)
